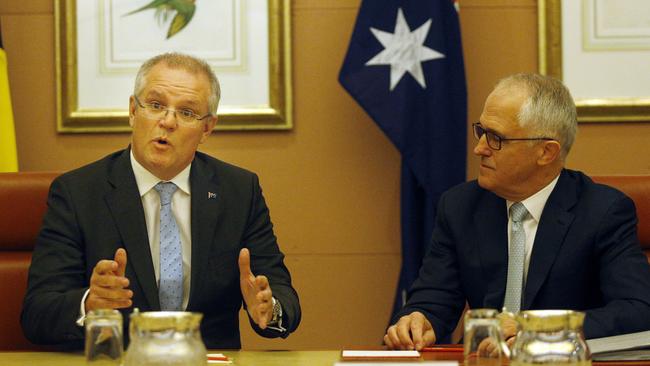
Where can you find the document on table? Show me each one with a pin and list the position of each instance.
(387, 358)
(378, 354)
(625, 347)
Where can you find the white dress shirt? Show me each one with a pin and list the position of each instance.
(535, 206)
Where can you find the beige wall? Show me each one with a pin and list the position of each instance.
(333, 181)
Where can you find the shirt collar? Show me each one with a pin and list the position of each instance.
(535, 203)
(146, 180)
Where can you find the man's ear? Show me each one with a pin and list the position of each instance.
(549, 152)
(208, 126)
(132, 107)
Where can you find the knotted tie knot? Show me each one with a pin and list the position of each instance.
(165, 190)
(518, 212)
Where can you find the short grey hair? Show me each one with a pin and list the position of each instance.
(549, 109)
(186, 62)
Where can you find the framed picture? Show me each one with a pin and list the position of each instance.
(100, 45)
(600, 49)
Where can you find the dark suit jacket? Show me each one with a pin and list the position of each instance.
(586, 256)
(94, 210)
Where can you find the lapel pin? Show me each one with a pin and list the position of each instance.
(212, 195)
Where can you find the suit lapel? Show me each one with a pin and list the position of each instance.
(492, 222)
(207, 201)
(553, 226)
(126, 207)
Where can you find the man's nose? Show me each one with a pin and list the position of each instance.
(482, 148)
(169, 120)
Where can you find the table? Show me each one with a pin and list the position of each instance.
(240, 358)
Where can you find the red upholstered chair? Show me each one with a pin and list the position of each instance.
(636, 187)
(23, 199)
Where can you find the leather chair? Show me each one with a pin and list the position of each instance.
(637, 187)
(23, 199)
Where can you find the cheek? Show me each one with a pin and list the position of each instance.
(191, 141)
(137, 134)
(514, 171)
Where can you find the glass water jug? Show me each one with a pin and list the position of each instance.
(550, 337)
(170, 338)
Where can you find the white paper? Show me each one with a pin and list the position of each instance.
(379, 354)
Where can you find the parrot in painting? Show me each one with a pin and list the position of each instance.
(184, 12)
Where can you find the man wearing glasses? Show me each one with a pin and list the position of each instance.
(528, 234)
(160, 226)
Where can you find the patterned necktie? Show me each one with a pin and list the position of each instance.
(516, 257)
(170, 290)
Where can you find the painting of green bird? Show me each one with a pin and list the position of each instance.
(183, 9)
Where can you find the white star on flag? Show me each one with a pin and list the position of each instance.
(404, 50)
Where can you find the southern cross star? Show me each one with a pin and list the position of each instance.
(404, 50)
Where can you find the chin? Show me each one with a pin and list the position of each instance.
(484, 182)
(158, 163)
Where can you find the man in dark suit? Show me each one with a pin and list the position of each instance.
(207, 245)
(528, 234)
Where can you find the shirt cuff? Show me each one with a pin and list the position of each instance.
(82, 310)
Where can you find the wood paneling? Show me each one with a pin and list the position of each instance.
(497, 41)
(346, 301)
(30, 7)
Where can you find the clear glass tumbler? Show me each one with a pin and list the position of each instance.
(483, 341)
(104, 341)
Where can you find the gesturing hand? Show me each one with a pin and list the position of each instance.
(108, 285)
(256, 291)
(411, 331)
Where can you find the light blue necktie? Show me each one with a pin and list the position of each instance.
(170, 290)
(516, 257)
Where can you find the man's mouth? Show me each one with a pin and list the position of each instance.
(162, 141)
(483, 165)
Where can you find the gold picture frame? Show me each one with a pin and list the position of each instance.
(274, 115)
(550, 63)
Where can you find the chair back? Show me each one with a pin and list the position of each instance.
(637, 187)
(23, 201)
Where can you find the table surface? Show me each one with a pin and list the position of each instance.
(240, 358)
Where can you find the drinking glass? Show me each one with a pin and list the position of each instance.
(483, 342)
(103, 337)
(165, 338)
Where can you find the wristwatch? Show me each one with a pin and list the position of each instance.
(276, 318)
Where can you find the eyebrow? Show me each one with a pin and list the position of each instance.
(187, 102)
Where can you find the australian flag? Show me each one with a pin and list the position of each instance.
(404, 66)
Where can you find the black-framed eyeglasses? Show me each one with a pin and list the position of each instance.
(494, 141)
(157, 111)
